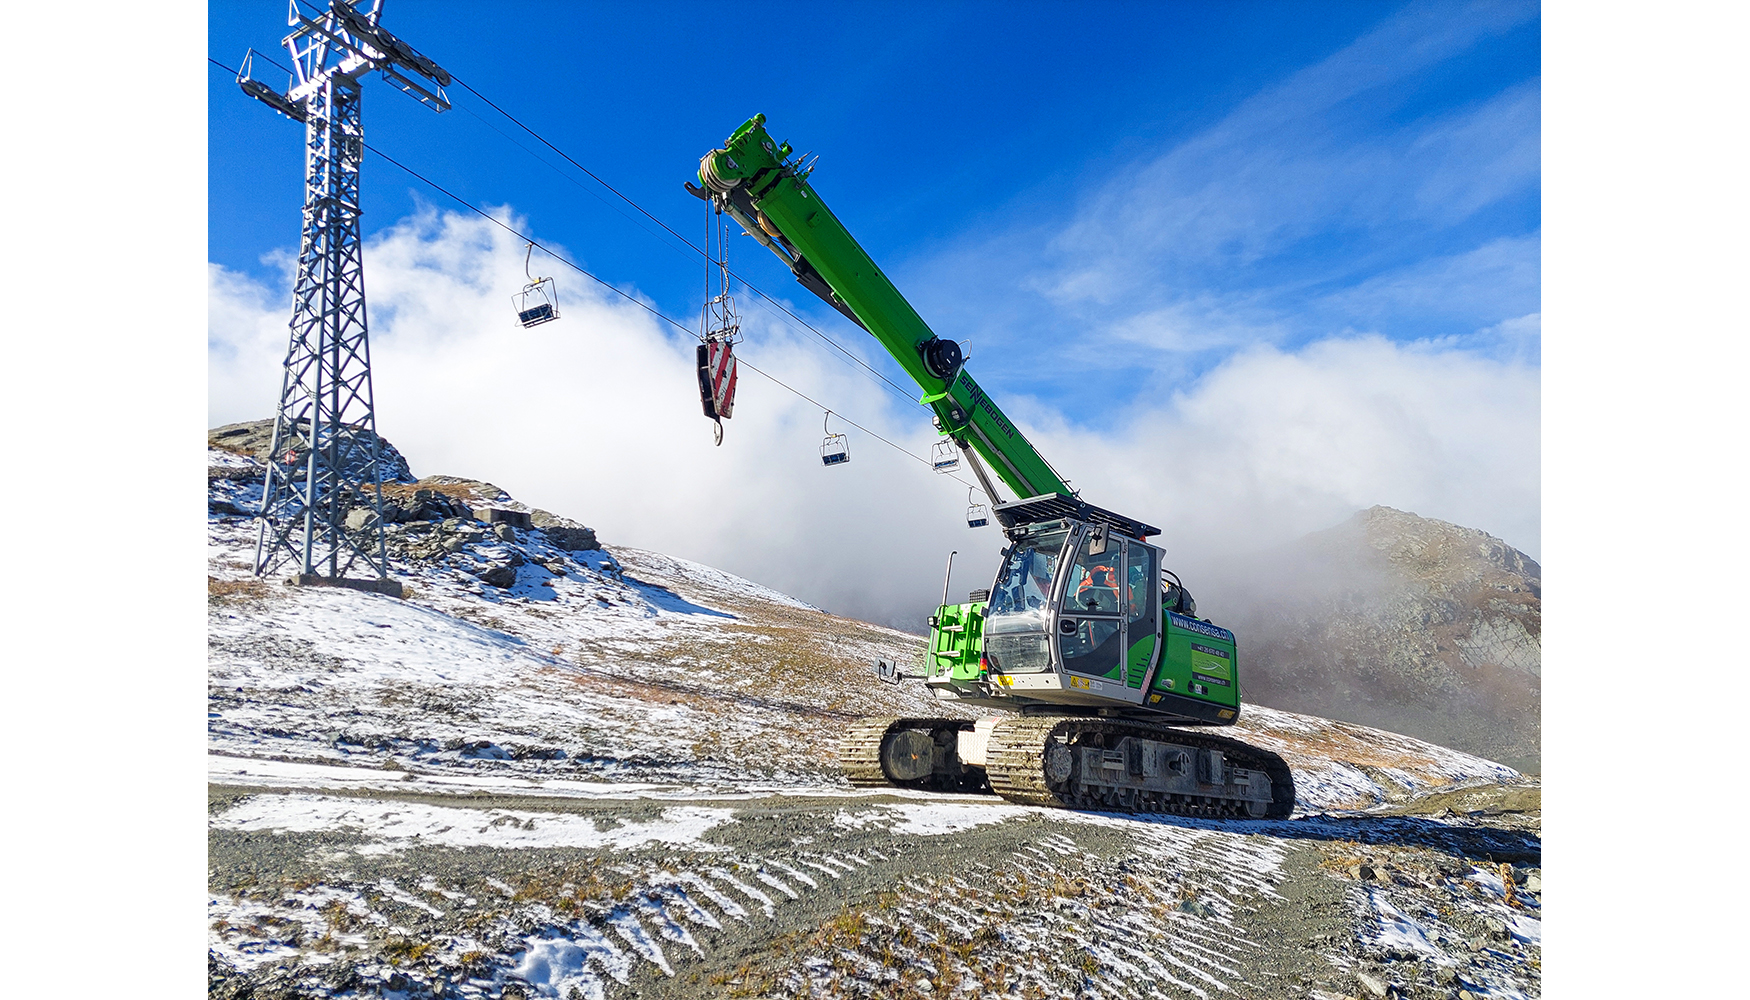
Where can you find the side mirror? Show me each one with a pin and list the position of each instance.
(1097, 542)
(887, 671)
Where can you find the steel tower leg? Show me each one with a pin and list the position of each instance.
(325, 458)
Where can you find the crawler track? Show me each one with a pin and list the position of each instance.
(1015, 763)
(860, 754)
(860, 751)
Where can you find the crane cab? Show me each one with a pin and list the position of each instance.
(1082, 615)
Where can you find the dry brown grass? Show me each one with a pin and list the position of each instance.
(398, 949)
(234, 449)
(469, 494)
(230, 591)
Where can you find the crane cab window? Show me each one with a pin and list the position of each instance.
(1093, 580)
(1024, 583)
(1143, 588)
(1142, 580)
(1016, 631)
(1090, 627)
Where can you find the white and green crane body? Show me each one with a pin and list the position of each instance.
(1078, 633)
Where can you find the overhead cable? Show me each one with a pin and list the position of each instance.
(690, 245)
(618, 291)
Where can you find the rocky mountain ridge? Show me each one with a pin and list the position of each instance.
(1403, 622)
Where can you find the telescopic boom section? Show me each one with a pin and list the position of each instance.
(755, 180)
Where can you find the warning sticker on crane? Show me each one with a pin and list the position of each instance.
(717, 378)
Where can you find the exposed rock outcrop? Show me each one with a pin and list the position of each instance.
(254, 438)
(1401, 622)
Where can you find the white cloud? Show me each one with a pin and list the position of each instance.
(1502, 274)
(1314, 154)
(1272, 444)
(1330, 200)
(596, 417)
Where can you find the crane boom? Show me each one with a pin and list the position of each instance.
(755, 180)
(1084, 632)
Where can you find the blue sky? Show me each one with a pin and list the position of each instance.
(1239, 270)
(1134, 190)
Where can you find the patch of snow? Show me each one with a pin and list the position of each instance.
(627, 926)
(779, 885)
(557, 965)
(700, 574)
(398, 825)
(817, 866)
(749, 891)
(730, 907)
(1392, 928)
(399, 895)
(656, 910)
(1490, 881)
(1338, 785)
(248, 933)
(1323, 754)
(802, 877)
(933, 819)
(219, 458)
(248, 772)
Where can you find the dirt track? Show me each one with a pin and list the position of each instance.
(961, 893)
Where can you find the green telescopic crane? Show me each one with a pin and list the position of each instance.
(1084, 635)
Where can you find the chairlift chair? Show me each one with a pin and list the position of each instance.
(977, 514)
(836, 449)
(538, 302)
(944, 457)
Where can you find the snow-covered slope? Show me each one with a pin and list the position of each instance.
(621, 765)
(612, 664)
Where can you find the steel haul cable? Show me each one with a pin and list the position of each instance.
(640, 208)
(618, 291)
(889, 383)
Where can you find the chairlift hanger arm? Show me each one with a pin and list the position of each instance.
(757, 182)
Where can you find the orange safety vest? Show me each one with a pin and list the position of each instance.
(1099, 578)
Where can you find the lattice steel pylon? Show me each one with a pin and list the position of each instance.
(325, 460)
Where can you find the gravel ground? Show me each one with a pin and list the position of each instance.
(879, 895)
